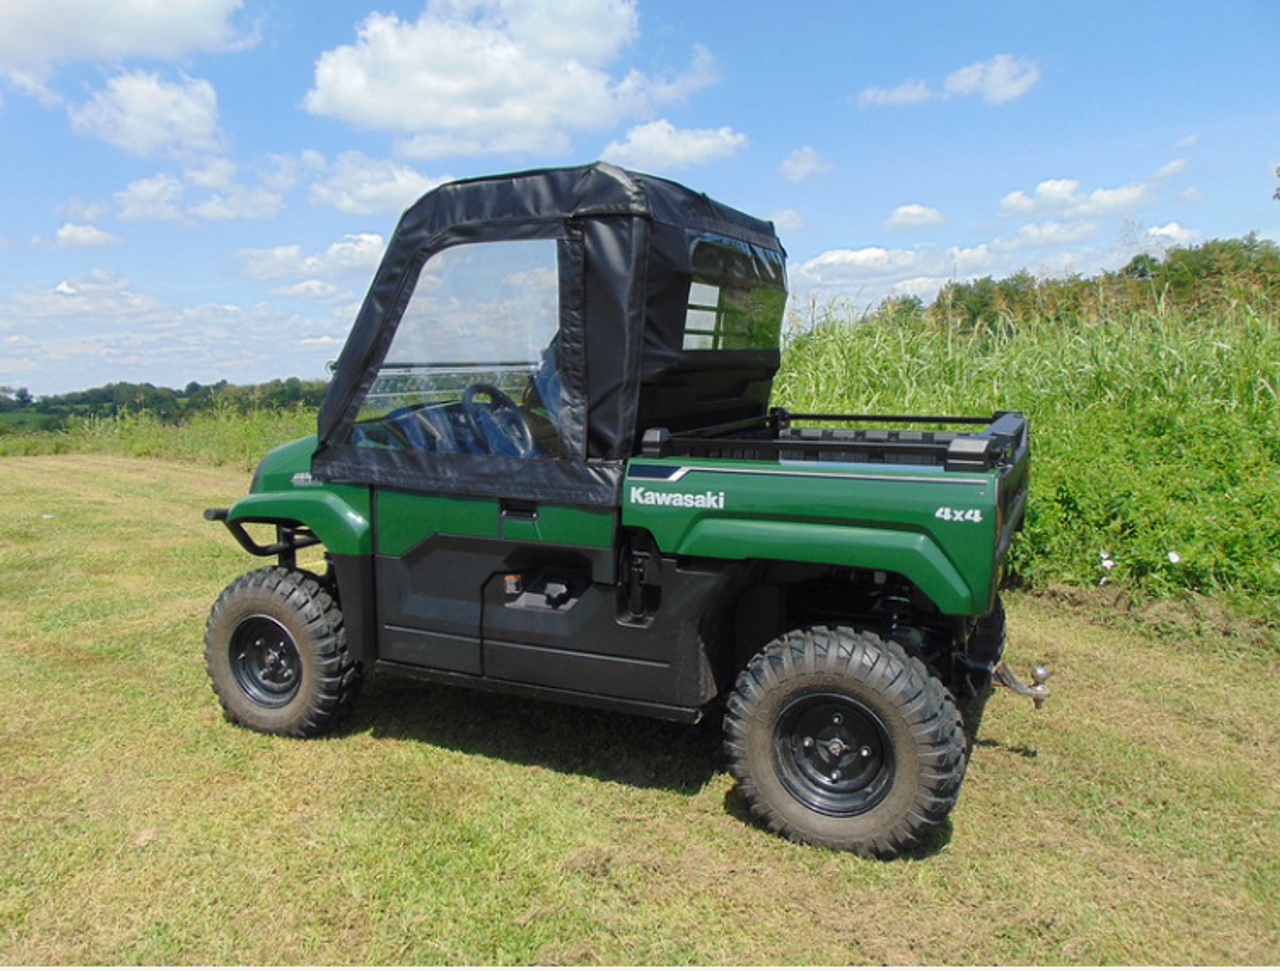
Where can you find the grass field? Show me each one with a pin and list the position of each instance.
(1132, 821)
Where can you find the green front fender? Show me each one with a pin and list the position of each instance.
(341, 522)
(912, 554)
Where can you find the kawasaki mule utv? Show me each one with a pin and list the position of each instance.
(547, 465)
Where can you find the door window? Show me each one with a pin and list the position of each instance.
(473, 367)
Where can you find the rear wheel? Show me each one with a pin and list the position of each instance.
(841, 739)
(276, 653)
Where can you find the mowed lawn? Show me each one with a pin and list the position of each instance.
(1135, 820)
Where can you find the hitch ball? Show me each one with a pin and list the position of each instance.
(1037, 691)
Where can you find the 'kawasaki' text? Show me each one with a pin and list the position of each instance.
(640, 496)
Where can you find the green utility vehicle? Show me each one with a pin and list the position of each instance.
(546, 465)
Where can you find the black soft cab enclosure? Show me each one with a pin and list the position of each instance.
(616, 300)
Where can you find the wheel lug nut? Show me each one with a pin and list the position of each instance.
(835, 775)
(865, 751)
(837, 718)
(808, 742)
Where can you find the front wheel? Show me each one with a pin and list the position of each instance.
(841, 739)
(276, 653)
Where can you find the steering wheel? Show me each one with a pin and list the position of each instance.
(498, 424)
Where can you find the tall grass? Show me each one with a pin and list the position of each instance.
(224, 436)
(1156, 432)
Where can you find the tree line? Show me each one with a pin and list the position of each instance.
(1216, 275)
(19, 409)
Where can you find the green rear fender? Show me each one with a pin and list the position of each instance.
(914, 555)
(935, 528)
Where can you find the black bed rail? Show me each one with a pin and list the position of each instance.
(774, 436)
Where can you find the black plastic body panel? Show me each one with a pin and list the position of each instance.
(590, 644)
(429, 603)
(354, 577)
(667, 712)
(467, 610)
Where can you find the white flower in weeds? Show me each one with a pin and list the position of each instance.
(1174, 557)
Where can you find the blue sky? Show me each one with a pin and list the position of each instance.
(201, 189)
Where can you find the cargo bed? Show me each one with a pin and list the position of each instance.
(776, 436)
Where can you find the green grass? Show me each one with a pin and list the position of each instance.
(1132, 821)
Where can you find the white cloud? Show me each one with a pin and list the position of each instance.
(1173, 234)
(77, 209)
(1107, 202)
(869, 274)
(1063, 196)
(1049, 195)
(914, 216)
(100, 296)
(1003, 78)
(324, 342)
(213, 174)
(80, 236)
(233, 197)
(1174, 167)
(319, 291)
(787, 220)
(478, 76)
(1062, 228)
(802, 164)
(660, 146)
(213, 190)
(240, 202)
(357, 184)
(148, 117)
(155, 197)
(34, 84)
(35, 34)
(870, 263)
(355, 255)
(1050, 233)
(907, 93)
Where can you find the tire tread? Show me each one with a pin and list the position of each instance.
(933, 726)
(338, 675)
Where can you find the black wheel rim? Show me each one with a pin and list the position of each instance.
(265, 661)
(833, 754)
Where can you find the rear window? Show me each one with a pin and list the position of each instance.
(737, 297)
